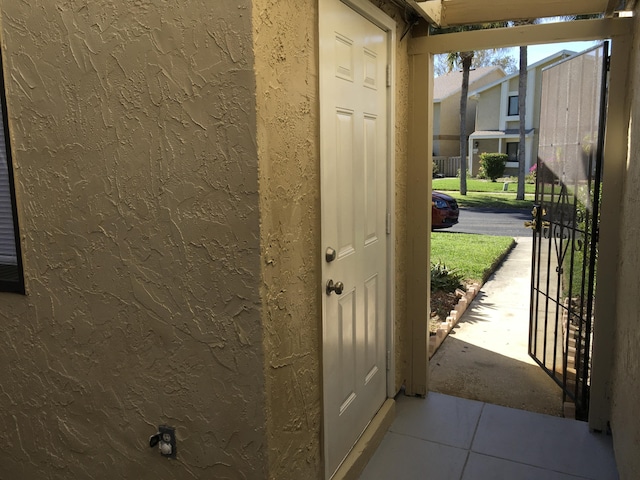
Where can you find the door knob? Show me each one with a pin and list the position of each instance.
(337, 287)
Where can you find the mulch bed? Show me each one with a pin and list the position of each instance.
(442, 303)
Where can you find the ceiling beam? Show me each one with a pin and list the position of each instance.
(430, 10)
(615, 5)
(468, 12)
(579, 30)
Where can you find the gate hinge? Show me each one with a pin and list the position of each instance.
(388, 75)
(388, 224)
(596, 235)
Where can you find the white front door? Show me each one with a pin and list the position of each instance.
(353, 98)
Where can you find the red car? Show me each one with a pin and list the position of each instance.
(444, 210)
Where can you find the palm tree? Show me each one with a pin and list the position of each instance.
(464, 59)
(522, 112)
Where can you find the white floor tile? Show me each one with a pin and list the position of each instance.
(439, 418)
(482, 467)
(448, 438)
(408, 458)
(557, 444)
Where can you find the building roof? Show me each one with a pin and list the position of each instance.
(446, 85)
(556, 57)
(500, 133)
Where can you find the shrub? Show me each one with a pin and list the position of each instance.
(444, 279)
(493, 164)
(435, 169)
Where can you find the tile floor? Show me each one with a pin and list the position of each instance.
(449, 438)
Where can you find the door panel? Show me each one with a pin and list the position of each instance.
(353, 105)
(566, 221)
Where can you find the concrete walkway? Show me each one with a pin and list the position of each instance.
(485, 355)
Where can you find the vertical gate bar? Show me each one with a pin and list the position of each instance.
(533, 297)
(596, 207)
(569, 127)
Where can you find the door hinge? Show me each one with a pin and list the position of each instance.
(388, 223)
(388, 75)
(388, 360)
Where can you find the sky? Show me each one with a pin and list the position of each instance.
(535, 53)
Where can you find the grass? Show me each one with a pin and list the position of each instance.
(476, 185)
(505, 201)
(472, 256)
(486, 194)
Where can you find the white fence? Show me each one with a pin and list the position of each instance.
(448, 166)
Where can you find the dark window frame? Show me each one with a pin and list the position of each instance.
(14, 285)
(513, 156)
(513, 105)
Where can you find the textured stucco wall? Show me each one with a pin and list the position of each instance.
(626, 382)
(134, 142)
(288, 148)
(402, 327)
(286, 51)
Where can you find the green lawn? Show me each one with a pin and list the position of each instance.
(472, 256)
(485, 193)
(476, 185)
(492, 200)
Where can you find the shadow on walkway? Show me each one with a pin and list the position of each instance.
(485, 357)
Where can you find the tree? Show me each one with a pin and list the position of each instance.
(498, 58)
(465, 59)
(481, 58)
(522, 113)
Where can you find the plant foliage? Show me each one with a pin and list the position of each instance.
(493, 164)
(443, 278)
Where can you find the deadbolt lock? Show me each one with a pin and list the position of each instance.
(330, 255)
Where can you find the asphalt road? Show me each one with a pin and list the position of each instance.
(504, 223)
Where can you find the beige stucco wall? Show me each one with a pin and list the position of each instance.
(447, 123)
(133, 129)
(626, 381)
(488, 109)
(286, 47)
(285, 42)
(168, 197)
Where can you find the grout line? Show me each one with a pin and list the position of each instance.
(473, 438)
(435, 442)
(533, 465)
(475, 431)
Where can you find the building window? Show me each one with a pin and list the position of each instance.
(11, 276)
(512, 151)
(513, 108)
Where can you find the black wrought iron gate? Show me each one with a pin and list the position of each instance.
(565, 221)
